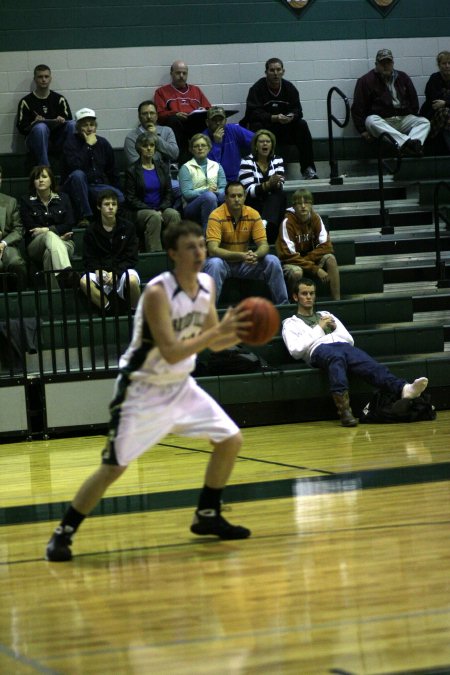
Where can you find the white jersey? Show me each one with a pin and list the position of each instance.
(142, 360)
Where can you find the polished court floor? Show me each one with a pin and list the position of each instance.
(347, 569)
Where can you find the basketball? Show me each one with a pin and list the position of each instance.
(265, 320)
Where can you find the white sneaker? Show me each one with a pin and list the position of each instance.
(309, 173)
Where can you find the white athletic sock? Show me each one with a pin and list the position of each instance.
(415, 389)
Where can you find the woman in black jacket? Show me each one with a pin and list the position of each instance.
(148, 193)
(48, 221)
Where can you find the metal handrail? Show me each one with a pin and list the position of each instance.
(335, 179)
(442, 282)
(386, 227)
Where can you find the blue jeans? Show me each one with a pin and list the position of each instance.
(200, 208)
(267, 269)
(84, 194)
(41, 135)
(340, 358)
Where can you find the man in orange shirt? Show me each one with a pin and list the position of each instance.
(230, 229)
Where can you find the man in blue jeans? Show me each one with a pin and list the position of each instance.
(44, 117)
(88, 167)
(322, 341)
(231, 228)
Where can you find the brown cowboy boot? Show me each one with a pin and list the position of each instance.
(344, 411)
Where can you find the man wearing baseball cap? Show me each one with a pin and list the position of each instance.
(230, 142)
(88, 166)
(385, 100)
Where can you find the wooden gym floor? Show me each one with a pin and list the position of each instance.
(347, 569)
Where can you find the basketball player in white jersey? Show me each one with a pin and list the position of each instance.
(156, 395)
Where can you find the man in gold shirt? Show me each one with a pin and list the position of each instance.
(231, 228)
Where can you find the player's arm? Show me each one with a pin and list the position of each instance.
(217, 335)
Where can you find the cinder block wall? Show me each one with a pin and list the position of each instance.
(108, 65)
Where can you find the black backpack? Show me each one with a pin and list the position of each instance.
(386, 408)
(232, 361)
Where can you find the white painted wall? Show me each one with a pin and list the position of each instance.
(114, 81)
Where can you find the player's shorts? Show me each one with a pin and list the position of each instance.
(142, 414)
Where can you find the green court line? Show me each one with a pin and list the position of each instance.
(274, 489)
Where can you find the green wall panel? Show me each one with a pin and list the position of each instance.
(113, 23)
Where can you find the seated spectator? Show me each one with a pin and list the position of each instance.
(148, 193)
(202, 182)
(110, 254)
(304, 246)
(437, 101)
(230, 142)
(48, 222)
(44, 117)
(273, 103)
(88, 166)
(166, 146)
(385, 100)
(11, 234)
(231, 229)
(177, 104)
(262, 175)
(322, 341)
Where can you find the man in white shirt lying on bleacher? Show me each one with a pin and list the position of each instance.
(322, 341)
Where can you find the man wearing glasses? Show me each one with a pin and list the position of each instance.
(167, 148)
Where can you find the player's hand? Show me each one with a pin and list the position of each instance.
(2, 248)
(60, 119)
(66, 236)
(367, 137)
(232, 328)
(182, 115)
(438, 103)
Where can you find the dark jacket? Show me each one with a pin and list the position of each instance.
(262, 104)
(372, 97)
(55, 105)
(11, 228)
(114, 251)
(436, 88)
(57, 215)
(135, 187)
(97, 161)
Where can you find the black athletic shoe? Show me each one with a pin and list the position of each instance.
(58, 548)
(208, 521)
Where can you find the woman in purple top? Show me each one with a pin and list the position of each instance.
(148, 193)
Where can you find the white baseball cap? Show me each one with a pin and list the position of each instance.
(84, 112)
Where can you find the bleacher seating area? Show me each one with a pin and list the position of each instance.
(391, 304)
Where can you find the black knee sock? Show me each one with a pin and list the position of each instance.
(72, 518)
(210, 498)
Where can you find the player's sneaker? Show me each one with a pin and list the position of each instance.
(208, 521)
(58, 548)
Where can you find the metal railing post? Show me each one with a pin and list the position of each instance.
(442, 281)
(386, 227)
(335, 179)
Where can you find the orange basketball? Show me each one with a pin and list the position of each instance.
(265, 320)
